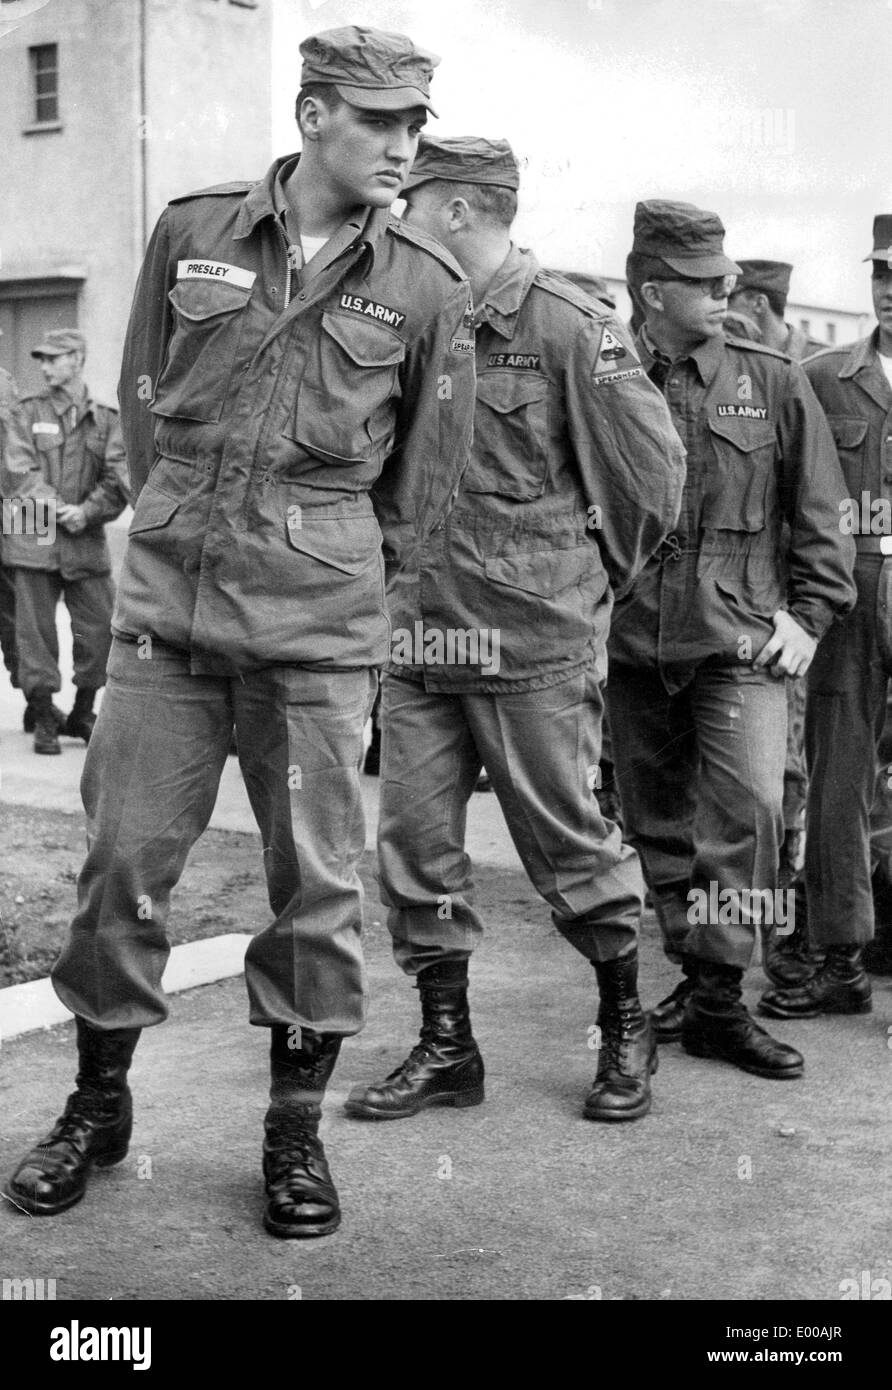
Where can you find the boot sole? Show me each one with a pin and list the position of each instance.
(713, 1055)
(459, 1100)
(771, 1011)
(285, 1232)
(35, 1208)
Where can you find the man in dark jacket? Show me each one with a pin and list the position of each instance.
(63, 479)
(701, 645)
(298, 379)
(499, 633)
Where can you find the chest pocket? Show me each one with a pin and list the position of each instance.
(849, 435)
(345, 410)
(737, 487)
(510, 453)
(201, 354)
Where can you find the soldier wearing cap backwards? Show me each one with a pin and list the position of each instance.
(575, 477)
(848, 681)
(63, 452)
(699, 645)
(312, 369)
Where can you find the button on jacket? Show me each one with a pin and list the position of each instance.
(277, 424)
(575, 478)
(75, 454)
(758, 449)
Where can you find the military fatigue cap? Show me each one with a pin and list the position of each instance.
(60, 340)
(765, 275)
(465, 159)
(370, 68)
(882, 239)
(688, 239)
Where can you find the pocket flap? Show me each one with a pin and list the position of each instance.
(745, 435)
(203, 299)
(153, 509)
(365, 343)
(847, 430)
(345, 544)
(543, 572)
(507, 391)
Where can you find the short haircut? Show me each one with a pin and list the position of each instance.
(326, 92)
(641, 268)
(491, 201)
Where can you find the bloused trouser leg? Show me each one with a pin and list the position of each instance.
(716, 752)
(844, 723)
(149, 784)
(90, 602)
(37, 595)
(300, 745)
(541, 749)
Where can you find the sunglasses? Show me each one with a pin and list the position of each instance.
(715, 287)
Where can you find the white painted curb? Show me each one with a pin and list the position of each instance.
(24, 1008)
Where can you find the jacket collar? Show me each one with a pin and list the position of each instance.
(863, 364)
(61, 403)
(706, 356)
(507, 291)
(266, 199)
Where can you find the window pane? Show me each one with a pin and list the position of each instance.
(46, 84)
(47, 109)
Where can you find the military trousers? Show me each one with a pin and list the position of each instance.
(7, 621)
(541, 750)
(701, 779)
(89, 602)
(845, 717)
(149, 785)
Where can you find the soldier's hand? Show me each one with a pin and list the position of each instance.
(789, 652)
(71, 517)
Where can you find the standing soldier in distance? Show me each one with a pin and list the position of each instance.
(313, 374)
(575, 477)
(761, 294)
(64, 452)
(8, 398)
(848, 682)
(698, 645)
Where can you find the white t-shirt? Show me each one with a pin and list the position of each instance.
(886, 364)
(310, 245)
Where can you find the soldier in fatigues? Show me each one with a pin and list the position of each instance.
(700, 645)
(311, 372)
(575, 477)
(848, 682)
(65, 457)
(8, 398)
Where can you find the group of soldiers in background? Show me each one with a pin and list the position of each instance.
(63, 476)
(675, 500)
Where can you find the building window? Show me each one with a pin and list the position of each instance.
(246, 4)
(45, 83)
(805, 325)
(831, 332)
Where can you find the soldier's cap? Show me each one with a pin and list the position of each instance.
(764, 275)
(59, 340)
(688, 239)
(464, 159)
(882, 239)
(370, 68)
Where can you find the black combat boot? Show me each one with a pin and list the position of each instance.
(302, 1201)
(667, 1016)
(94, 1128)
(717, 1025)
(628, 1055)
(445, 1066)
(46, 735)
(841, 986)
(790, 959)
(80, 721)
(29, 718)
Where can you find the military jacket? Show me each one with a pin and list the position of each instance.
(854, 390)
(575, 478)
(276, 426)
(56, 450)
(758, 451)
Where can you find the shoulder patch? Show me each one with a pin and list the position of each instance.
(237, 189)
(397, 227)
